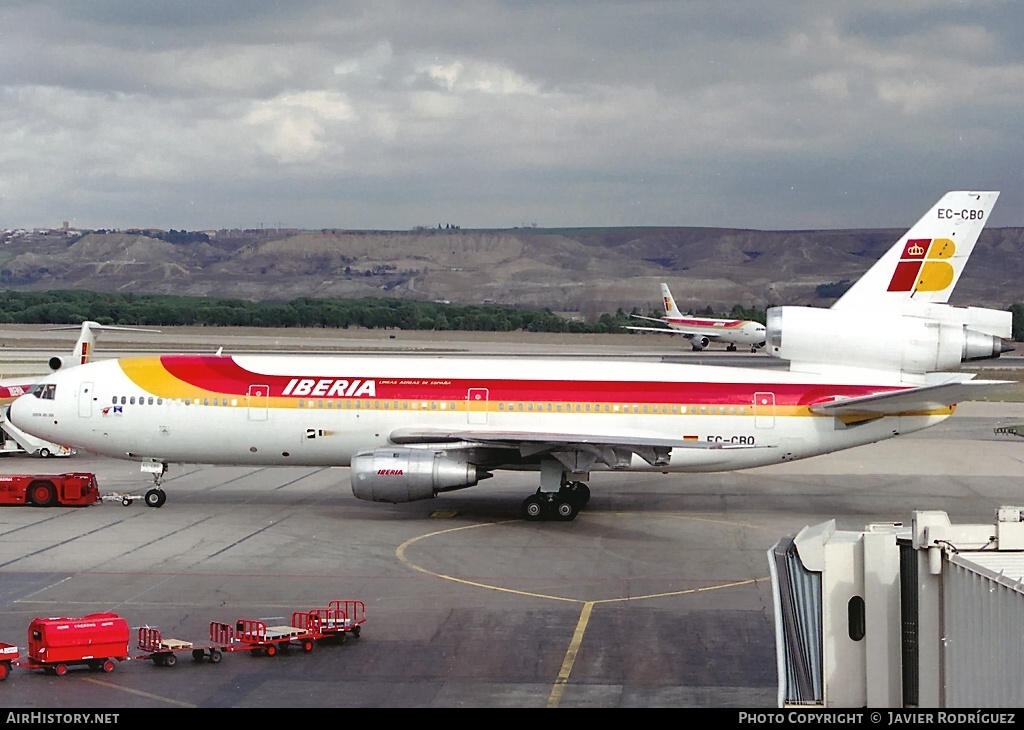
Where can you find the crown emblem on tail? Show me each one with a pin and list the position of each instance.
(914, 273)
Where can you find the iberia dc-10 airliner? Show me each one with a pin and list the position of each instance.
(884, 360)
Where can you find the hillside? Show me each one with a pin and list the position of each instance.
(585, 271)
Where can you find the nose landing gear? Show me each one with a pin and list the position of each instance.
(156, 496)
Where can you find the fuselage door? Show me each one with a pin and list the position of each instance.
(764, 410)
(85, 400)
(259, 400)
(476, 405)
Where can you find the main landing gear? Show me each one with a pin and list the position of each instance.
(556, 498)
(562, 505)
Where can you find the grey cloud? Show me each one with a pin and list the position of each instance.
(497, 113)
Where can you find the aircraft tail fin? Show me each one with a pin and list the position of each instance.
(669, 303)
(925, 264)
(83, 347)
(86, 342)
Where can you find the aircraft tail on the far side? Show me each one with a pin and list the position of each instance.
(86, 341)
(669, 303)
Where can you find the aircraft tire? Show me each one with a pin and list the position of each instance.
(156, 498)
(534, 508)
(584, 494)
(566, 510)
(577, 492)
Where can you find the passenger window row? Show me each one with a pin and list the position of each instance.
(503, 406)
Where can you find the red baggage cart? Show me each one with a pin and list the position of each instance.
(8, 656)
(96, 640)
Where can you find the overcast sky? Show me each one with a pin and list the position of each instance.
(198, 114)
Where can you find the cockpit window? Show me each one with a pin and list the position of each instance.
(45, 391)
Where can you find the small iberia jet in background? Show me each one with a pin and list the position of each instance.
(702, 331)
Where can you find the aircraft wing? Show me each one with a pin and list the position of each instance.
(576, 451)
(515, 438)
(924, 398)
(649, 319)
(663, 330)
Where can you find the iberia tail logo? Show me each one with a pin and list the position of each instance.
(923, 266)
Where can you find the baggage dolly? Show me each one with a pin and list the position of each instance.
(341, 619)
(163, 651)
(257, 638)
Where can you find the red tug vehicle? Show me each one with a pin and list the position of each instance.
(74, 489)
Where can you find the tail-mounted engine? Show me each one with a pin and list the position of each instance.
(406, 475)
(927, 338)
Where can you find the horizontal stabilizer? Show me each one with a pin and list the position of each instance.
(98, 326)
(925, 398)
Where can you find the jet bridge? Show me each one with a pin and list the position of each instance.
(922, 616)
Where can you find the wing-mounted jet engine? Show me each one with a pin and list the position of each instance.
(400, 474)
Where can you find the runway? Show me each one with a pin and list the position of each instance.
(657, 595)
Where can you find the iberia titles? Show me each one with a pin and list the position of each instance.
(331, 388)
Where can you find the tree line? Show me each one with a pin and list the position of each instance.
(74, 307)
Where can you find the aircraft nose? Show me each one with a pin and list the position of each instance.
(14, 409)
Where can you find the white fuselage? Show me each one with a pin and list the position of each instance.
(730, 331)
(320, 411)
